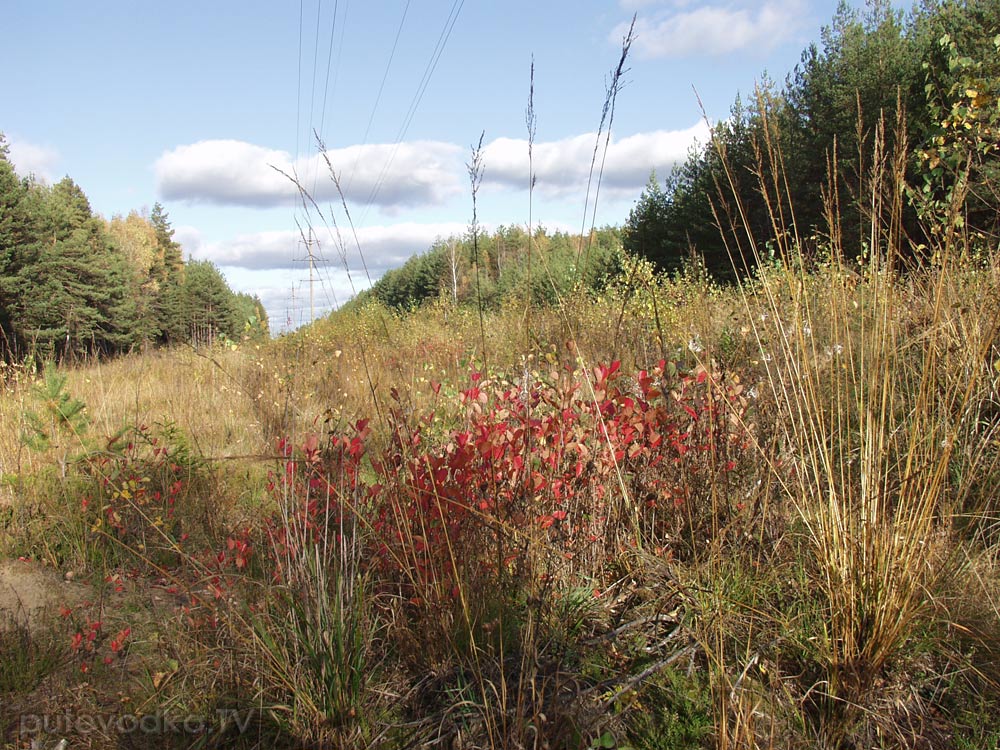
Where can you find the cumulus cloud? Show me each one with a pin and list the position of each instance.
(277, 303)
(286, 309)
(714, 29)
(30, 158)
(271, 264)
(382, 248)
(230, 172)
(562, 167)
(417, 174)
(635, 4)
(285, 294)
(189, 238)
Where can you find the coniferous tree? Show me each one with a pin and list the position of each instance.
(168, 271)
(170, 261)
(779, 155)
(74, 292)
(647, 232)
(72, 284)
(14, 232)
(207, 304)
(251, 317)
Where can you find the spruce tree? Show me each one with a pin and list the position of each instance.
(13, 234)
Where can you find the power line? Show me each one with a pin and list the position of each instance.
(329, 58)
(378, 96)
(290, 310)
(439, 46)
(435, 56)
(298, 86)
(312, 91)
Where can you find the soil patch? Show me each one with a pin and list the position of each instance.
(29, 591)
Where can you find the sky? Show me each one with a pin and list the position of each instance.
(227, 111)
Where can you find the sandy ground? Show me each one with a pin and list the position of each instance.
(30, 591)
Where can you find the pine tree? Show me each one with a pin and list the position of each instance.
(13, 234)
(136, 243)
(74, 286)
(207, 304)
(170, 263)
(251, 317)
(646, 232)
(168, 271)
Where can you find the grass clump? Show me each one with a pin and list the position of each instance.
(26, 657)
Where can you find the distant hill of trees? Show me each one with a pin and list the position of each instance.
(928, 78)
(935, 70)
(499, 267)
(73, 283)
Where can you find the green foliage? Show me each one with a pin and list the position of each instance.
(144, 494)
(73, 293)
(25, 658)
(62, 277)
(170, 263)
(135, 500)
(13, 234)
(693, 220)
(958, 159)
(558, 264)
(250, 317)
(74, 285)
(326, 653)
(646, 232)
(417, 280)
(62, 417)
(207, 308)
(931, 74)
(682, 713)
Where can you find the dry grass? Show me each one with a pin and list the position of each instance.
(819, 567)
(864, 535)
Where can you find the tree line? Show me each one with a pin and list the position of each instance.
(74, 284)
(784, 170)
(926, 81)
(491, 268)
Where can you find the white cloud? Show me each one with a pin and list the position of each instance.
(190, 240)
(272, 264)
(230, 172)
(562, 167)
(420, 173)
(285, 294)
(30, 158)
(714, 30)
(635, 4)
(382, 247)
(287, 305)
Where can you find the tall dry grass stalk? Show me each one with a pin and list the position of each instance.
(874, 379)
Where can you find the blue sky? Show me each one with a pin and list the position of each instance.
(195, 104)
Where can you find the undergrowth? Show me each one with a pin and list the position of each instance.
(670, 514)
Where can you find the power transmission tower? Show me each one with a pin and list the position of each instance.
(312, 269)
(311, 259)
